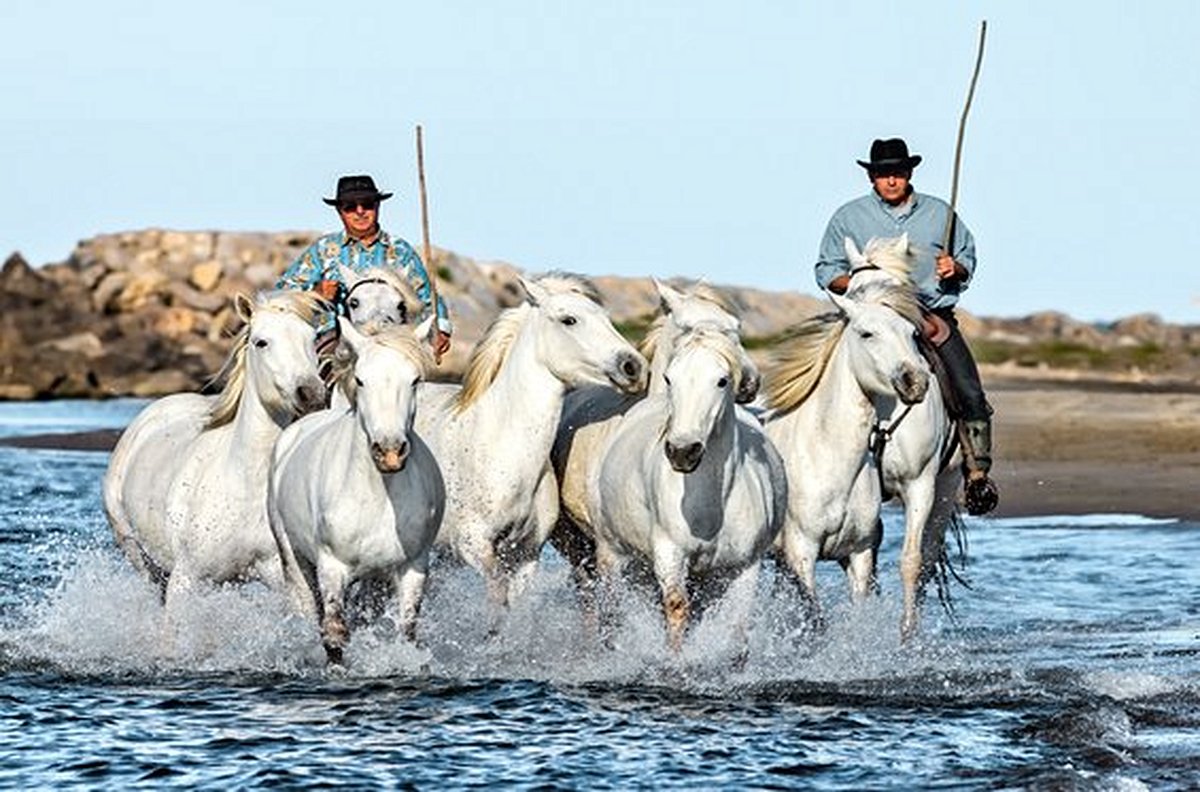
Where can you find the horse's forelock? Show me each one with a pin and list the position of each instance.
(399, 338)
(882, 252)
(558, 282)
(712, 339)
(711, 294)
(392, 278)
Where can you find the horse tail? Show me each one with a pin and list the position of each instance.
(940, 560)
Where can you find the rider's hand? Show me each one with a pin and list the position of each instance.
(327, 290)
(441, 344)
(947, 267)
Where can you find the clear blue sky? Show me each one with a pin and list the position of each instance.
(625, 137)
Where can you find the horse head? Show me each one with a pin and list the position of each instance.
(273, 358)
(380, 296)
(575, 337)
(701, 380)
(381, 385)
(882, 346)
(701, 306)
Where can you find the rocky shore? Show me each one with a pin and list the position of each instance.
(146, 313)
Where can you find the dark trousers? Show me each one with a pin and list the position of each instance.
(963, 374)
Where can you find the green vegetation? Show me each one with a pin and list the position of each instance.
(1069, 354)
(445, 275)
(634, 330)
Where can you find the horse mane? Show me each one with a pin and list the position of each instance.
(800, 359)
(489, 354)
(304, 304)
(699, 290)
(397, 337)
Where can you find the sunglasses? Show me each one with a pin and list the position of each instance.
(349, 206)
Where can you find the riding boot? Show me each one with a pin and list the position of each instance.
(980, 493)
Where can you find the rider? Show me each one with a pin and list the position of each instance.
(893, 208)
(360, 245)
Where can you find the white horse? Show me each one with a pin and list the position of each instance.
(185, 491)
(689, 485)
(492, 436)
(853, 407)
(378, 296)
(354, 492)
(590, 415)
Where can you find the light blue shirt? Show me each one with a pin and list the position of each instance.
(923, 217)
(320, 260)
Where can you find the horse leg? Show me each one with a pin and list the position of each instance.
(800, 555)
(669, 569)
(580, 552)
(918, 502)
(332, 577)
(603, 619)
(860, 571)
(410, 592)
(740, 595)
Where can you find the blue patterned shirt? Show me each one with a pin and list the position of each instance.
(924, 218)
(320, 262)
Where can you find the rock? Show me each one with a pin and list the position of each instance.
(210, 303)
(205, 275)
(86, 344)
(175, 322)
(141, 290)
(106, 291)
(17, 391)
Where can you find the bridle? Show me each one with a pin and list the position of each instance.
(365, 281)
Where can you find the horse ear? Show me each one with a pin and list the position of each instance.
(856, 258)
(901, 244)
(243, 306)
(350, 334)
(534, 292)
(844, 304)
(668, 296)
(423, 330)
(348, 275)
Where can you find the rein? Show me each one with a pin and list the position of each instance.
(878, 441)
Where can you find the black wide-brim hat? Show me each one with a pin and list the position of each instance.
(356, 188)
(890, 154)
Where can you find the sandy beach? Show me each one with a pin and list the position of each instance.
(1062, 446)
(1079, 448)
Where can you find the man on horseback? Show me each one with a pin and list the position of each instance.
(360, 245)
(893, 208)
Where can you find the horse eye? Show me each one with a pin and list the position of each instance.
(358, 381)
(666, 379)
(260, 343)
(723, 382)
(866, 334)
(569, 321)
(353, 302)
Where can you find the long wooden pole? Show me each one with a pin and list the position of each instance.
(427, 254)
(962, 128)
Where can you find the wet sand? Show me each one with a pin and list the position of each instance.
(1096, 448)
(1061, 447)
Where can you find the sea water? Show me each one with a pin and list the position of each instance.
(1072, 661)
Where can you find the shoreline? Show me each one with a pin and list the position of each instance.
(1061, 446)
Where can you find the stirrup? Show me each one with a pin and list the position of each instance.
(980, 493)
